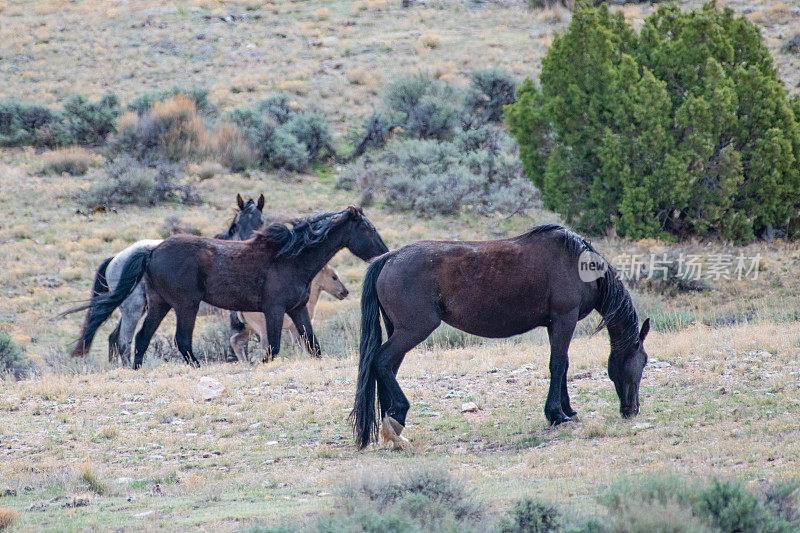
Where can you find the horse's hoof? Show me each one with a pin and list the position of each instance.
(390, 432)
(570, 412)
(560, 420)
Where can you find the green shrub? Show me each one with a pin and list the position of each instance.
(541, 4)
(733, 509)
(285, 151)
(489, 91)
(782, 499)
(425, 108)
(145, 102)
(256, 127)
(282, 137)
(433, 177)
(26, 124)
(532, 516)
(312, 131)
(13, 360)
(85, 122)
(657, 517)
(125, 181)
(278, 107)
(682, 129)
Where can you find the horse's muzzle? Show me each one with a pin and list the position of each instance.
(343, 294)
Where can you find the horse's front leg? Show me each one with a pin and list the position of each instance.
(560, 332)
(302, 321)
(274, 320)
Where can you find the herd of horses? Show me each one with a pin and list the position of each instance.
(270, 275)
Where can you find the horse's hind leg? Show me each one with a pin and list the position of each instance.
(185, 329)
(560, 332)
(387, 362)
(132, 310)
(113, 344)
(157, 309)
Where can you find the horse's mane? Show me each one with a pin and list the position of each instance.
(615, 305)
(304, 233)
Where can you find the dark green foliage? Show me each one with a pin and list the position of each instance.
(489, 91)
(25, 124)
(125, 181)
(683, 129)
(87, 122)
(13, 360)
(532, 516)
(143, 103)
(733, 509)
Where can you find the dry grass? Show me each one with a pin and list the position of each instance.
(714, 403)
(73, 160)
(8, 517)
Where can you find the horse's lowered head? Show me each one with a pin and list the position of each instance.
(625, 367)
(329, 282)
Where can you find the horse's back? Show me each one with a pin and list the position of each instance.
(114, 269)
(490, 288)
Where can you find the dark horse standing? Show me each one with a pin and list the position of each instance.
(493, 289)
(249, 217)
(270, 273)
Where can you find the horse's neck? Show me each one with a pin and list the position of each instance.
(313, 298)
(311, 260)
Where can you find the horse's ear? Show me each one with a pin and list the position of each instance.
(239, 201)
(355, 211)
(645, 329)
(261, 201)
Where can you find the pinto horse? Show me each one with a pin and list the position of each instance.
(495, 289)
(248, 218)
(270, 273)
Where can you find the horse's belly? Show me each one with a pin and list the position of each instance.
(494, 326)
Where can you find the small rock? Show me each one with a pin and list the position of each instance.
(124, 480)
(209, 388)
(145, 514)
(272, 442)
(469, 407)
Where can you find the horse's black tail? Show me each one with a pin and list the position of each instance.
(102, 305)
(363, 417)
(100, 286)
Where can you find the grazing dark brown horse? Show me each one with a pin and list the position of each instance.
(493, 289)
(270, 273)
